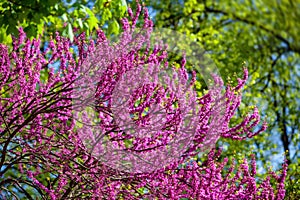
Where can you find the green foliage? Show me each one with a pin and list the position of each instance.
(47, 16)
(293, 182)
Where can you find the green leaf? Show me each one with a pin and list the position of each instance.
(124, 4)
(64, 17)
(70, 32)
(113, 27)
(80, 23)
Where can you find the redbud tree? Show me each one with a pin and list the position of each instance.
(51, 150)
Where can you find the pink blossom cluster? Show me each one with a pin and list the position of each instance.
(43, 154)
